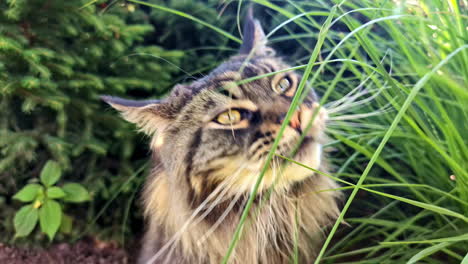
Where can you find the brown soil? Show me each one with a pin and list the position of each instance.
(83, 252)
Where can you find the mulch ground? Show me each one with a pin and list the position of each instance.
(86, 251)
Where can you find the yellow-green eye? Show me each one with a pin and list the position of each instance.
(229, 117)
(283, 85)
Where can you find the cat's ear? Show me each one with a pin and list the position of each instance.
(149, 115)
(254, 38)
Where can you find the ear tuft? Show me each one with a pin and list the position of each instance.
(149, 115)
(116, 101)
(254, 37)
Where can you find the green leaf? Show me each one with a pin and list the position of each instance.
(51, 173)
(463, 237)
(25, 220)
(28, 193)
(55, 192)
(50, 217)
(66, 225)
(75, 193)
(465, 259)
(428, 251)
(427, 206)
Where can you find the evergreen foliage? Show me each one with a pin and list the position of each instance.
(56, 58)
(197, 41)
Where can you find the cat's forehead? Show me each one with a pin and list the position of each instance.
(234, 70)
(243, 63)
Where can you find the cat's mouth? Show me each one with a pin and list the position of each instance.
(311, 120)
(298, 141)
(309, 125)
(301, 143)
(295, 149)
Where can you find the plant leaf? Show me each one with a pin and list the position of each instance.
(428, 251)
(427, 206)
(75, 193)
(465, 259)
(25, 220)
(28, 193)
(463, 237)
(55, 192)
(51, 173)
(50, 217)
(66, 225)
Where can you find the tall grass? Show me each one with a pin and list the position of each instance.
(407, 168)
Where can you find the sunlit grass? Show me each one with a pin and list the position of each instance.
(417, 58)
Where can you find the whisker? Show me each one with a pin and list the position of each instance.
(157, 57)
(383, 110)
(349, 97)
(352, 94)
(219, 199)
(216, 202)
(221, 218)
(340, 132)
(347, 106)
(176, 236)
(354, 124)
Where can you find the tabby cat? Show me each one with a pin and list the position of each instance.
(210, 140)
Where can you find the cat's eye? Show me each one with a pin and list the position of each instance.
(236, 115)
(283, 85)
(230, 117)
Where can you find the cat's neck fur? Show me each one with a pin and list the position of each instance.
(174, 238)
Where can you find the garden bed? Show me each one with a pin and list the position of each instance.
(83, 252)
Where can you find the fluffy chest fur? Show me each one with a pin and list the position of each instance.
(178, 233)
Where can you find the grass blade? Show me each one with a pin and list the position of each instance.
(382, 144)
(289, 114)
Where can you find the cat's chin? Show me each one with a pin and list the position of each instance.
(280, 175)
(283, 174)
(309, 155)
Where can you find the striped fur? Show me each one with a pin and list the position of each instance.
(204, 172)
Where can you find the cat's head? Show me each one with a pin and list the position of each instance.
(219, 129)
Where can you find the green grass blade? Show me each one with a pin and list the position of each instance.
(439, 240)
(465, 259)
(382, 144)
(289, 114)
(427, 206)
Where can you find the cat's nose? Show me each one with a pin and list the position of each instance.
(294, 122)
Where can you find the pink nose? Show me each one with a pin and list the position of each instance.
(295, 121)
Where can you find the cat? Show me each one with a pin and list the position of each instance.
(210, 140)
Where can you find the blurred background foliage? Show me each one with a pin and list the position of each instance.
(57, 57)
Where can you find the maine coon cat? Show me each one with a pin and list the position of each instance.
(209, 141)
